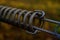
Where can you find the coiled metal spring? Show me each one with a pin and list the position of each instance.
(24, 19)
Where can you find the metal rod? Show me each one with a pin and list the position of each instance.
(53, 33)
(52, 21)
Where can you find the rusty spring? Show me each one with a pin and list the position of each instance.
(14, 16)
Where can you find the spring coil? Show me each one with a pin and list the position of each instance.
(9, 14)
(24, 19)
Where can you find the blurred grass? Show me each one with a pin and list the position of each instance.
(51, 8)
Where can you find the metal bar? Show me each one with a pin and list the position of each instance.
(53, 33)
(52, 21)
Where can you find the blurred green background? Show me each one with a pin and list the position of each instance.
(51, 8)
